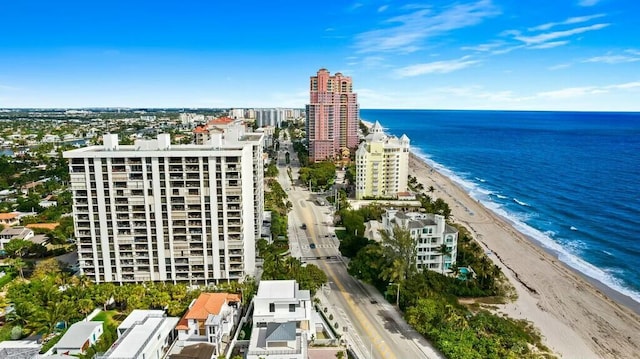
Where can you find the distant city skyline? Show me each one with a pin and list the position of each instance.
(580, 55)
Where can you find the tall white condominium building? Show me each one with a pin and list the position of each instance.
(382, 164)
(437, 242)
(153, 211)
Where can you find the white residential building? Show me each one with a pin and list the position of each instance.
(382, 165)
(282, 317)
(79, 337)
(430, 231)
(10, 233)
(149, 336)
(153, 211)
(210, 318)
(235, 132)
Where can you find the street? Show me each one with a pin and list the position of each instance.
(374, 328)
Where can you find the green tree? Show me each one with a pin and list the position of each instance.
(18, 264)
(400, 251)
(17, 248)
(443, 250)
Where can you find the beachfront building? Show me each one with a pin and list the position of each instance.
(382, 165)
(282, 318)
(154, 211)
(143, 334)
(332, 116)
(210, 319)
(437, 242)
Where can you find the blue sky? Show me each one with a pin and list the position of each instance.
(466, 54)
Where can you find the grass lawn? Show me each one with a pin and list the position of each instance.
(110, 317)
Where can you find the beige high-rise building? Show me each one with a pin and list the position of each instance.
(153, 211)
(382, 165)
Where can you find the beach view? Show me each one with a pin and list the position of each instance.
(363, 179)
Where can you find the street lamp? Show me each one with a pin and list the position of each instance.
(397, 294)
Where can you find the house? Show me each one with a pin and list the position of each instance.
(49, 138)
(9, 219)
(280, 339)
(143, 334)
(210, 318)
(282, 318)
(27, 349)
(79, 337)
(10, 233)
(432, 235)
(47, 203)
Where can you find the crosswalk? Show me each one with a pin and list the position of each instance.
(323, 246)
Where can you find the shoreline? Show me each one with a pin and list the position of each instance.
(577, 316)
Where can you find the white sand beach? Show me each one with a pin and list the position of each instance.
(576, 319)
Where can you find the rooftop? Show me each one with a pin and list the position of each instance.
(77, 334)
(49, 226)
(8, 215)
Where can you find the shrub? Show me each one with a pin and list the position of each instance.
(16, 332)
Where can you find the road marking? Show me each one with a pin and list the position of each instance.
(374, 339)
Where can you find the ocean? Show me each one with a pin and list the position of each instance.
(569, 180)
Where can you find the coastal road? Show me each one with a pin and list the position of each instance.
(374, 328)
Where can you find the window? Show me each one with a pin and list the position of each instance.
(272, 307)
(292, 308)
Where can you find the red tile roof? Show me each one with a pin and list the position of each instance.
(220, 121)
(200, 129)
(207, 303)
(8, 215)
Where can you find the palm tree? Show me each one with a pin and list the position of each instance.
(85, 306)
(443, 250)
(18, 264)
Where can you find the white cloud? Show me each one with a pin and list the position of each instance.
(587, 3)
(439, 67)
(540, 38)
(559, 67)
(506, 50)
(8, 88)
(484, 47)
(626, 86)
(549, 45)
(569, 21)
(406, 32)
(613, 59)
(383, 8)
(571, 92)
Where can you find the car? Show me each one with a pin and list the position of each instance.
(304, 226)
(312, 246)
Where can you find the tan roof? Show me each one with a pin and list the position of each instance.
(8, 215)
(49, 226)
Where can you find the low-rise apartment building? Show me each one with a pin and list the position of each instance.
(437, 242)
